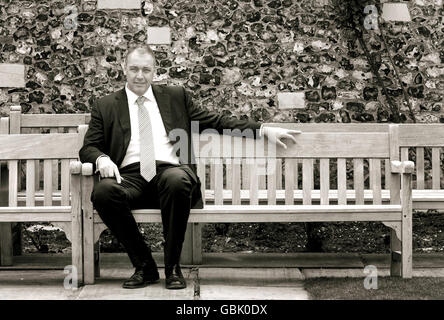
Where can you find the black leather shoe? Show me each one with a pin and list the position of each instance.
(142, 277)
(174, 278)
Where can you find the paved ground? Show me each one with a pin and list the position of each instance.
(221, 276)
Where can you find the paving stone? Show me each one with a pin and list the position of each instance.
(221, 292)
(276, 277)
(158, 35)
(109, 287)
(395, 11)
(12, 75)
(35, 285)
(118, 4)
(339, 273)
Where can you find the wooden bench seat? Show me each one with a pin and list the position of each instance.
(422, 199)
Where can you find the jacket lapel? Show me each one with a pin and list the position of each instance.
(164, 104)
(123, 115)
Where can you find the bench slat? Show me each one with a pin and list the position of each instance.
(39, 146)
(257, 213)
(436, 169)
(421, 135)
(35, 214)
(245, 175)
(218, 182)
(325, 180)
(37, 163)
(358, 177)
(308, 145)
(419, 168)
(375, 180)
(53, 120)
(30, 182)
(13, 182)
(47, 182)
(236, 181)
(201, 174)
(271, 181)
(387, 174)
(279, 173)
(307, 180)
(65, 182)
(342, 181)
(291, 179)
(55, 165)
(253, 183)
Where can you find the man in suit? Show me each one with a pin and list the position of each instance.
(129, 144)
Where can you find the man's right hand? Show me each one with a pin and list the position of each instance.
(108, 169)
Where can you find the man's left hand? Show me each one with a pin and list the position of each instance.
(275, 134)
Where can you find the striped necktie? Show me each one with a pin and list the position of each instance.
(147, 157)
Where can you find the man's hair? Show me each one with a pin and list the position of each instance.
(140, 48)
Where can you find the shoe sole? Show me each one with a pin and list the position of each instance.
(175, 286)
(143, 285)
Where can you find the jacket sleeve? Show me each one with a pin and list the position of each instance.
(94, 142)
(213, 120)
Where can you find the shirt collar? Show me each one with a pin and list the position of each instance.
(132, 97)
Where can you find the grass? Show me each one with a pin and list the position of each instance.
(388, 289)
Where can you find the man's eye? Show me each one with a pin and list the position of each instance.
(146, 70)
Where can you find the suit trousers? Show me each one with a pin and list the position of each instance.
(170, 190)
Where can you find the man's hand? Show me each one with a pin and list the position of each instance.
(275, 134)
(108, 169)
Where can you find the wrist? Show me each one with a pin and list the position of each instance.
(98, 160)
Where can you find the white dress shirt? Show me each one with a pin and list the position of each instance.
(163, 148)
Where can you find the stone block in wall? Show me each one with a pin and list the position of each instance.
(321, 3)
(291, 100)
(118, 4)
(396, 11)
(158, 35)
(12, 75)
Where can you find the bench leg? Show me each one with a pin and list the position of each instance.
(77, 227)
(192, 246)
(5, 227)
(395, 249)
(5, 244)
(88, 230)
(407, 226)
(97, 259)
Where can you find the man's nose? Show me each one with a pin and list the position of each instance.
(139, 74)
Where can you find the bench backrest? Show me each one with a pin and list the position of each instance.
(331, 153)
(30, 148)
(46, 123)
(423, 143)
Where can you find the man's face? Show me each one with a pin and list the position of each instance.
(139, 70)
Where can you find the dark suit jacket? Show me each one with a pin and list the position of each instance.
(109, 130)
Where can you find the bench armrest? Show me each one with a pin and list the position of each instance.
(402, 166)
(75, 167)
(87, 169)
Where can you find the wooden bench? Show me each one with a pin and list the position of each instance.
(427, 193)
(19, 123)
(30, 148)
(331, 149)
